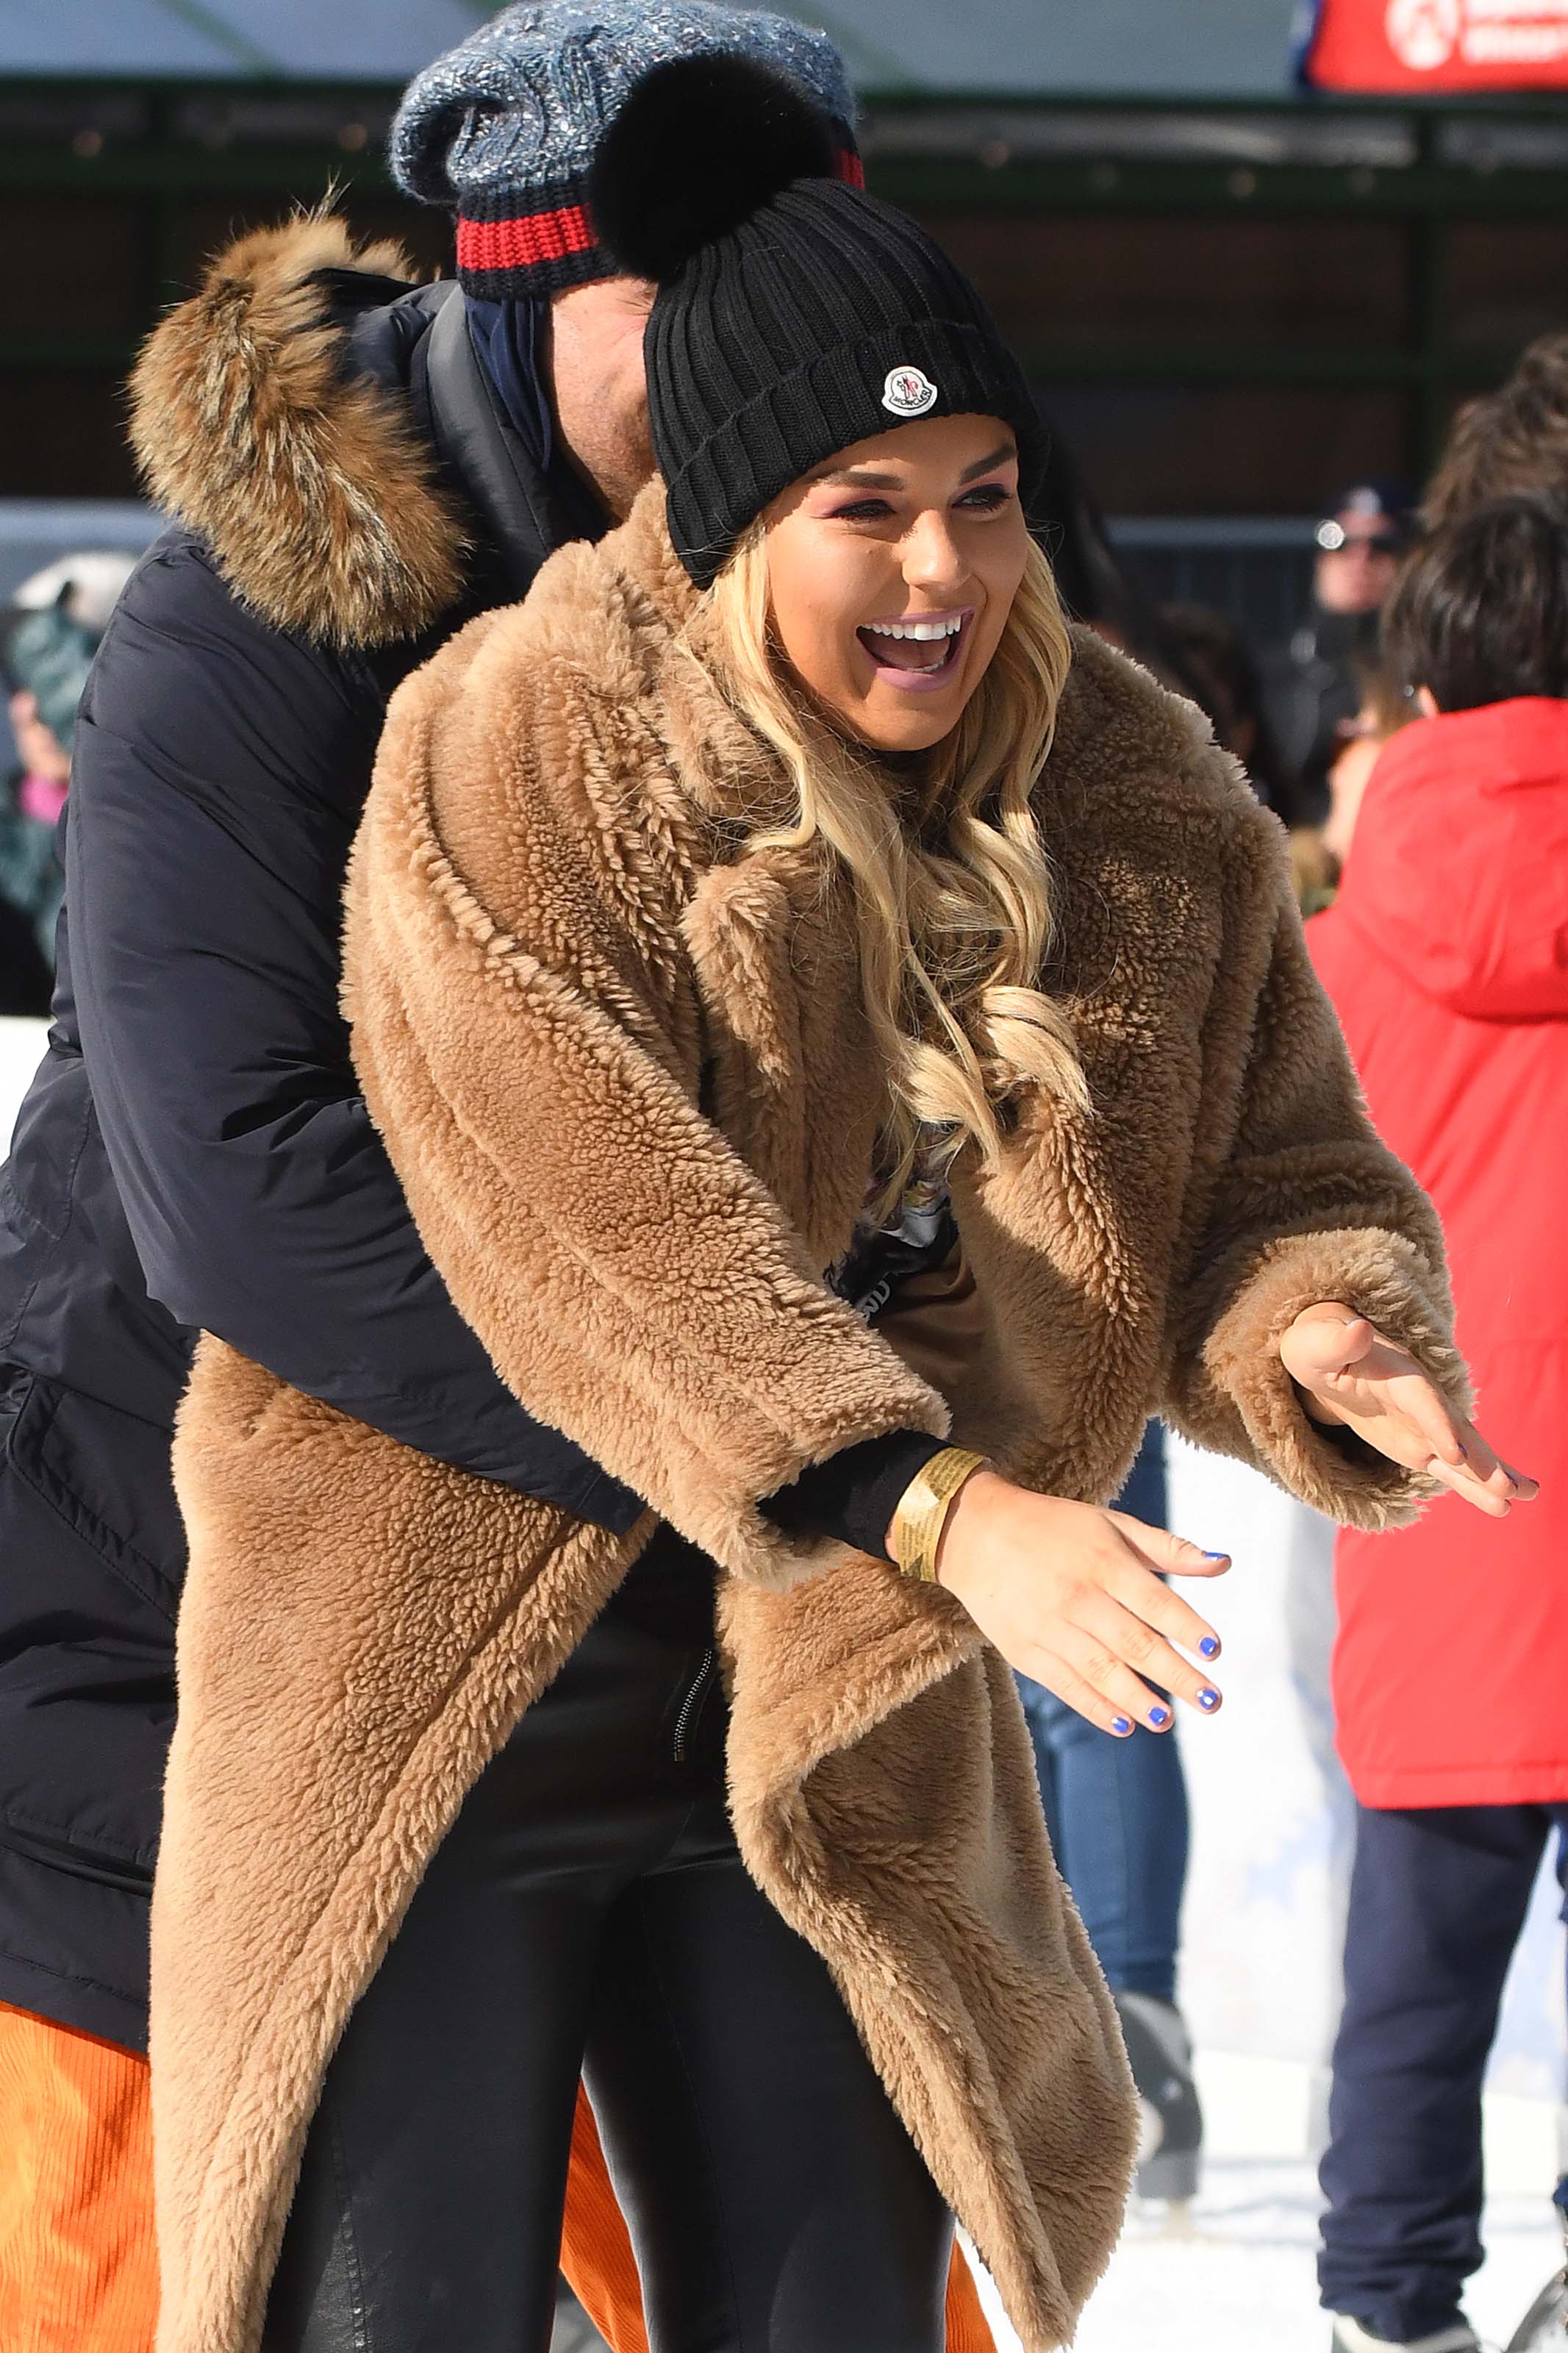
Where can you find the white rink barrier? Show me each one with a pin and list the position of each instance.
(21, 1051)
(1273, 1819)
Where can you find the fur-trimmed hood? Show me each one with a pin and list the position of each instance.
(624, 1075)
(308, 481)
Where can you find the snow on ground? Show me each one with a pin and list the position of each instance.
(1240, 2277)
(1245, 2262)
(1245, 2266)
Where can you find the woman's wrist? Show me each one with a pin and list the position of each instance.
(917, 1531)
(959, 1545)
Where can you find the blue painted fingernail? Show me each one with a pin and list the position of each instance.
(1209, 1647)
(1216, 1556)
(1121, 1726)
(1159, 1717)
(1209, 1699)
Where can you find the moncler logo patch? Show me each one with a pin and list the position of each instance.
(908, 392)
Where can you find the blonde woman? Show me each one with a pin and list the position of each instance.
(847, 1044)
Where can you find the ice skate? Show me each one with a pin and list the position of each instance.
(1546, 2322)
(1353, 2337)
(1161, 2052)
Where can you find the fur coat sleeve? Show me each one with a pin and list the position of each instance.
(531, 1045)
(1294, 1200)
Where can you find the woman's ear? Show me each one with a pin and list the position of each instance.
(1426, 703)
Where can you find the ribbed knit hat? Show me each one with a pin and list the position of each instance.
(505, 128)
(795, 314)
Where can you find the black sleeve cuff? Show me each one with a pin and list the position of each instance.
(609, 1505)
(853, 1494)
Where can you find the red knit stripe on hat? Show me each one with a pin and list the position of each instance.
(529, 240)
(524, 242)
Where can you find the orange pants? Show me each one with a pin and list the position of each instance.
(78, 2266)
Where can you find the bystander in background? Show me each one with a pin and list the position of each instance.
(1515, 439)
(48, 639)
(1117, 1813)
(1118, 1810)
(1313, 692)
(1223, 677)
(1386, 707)
(1444, 956)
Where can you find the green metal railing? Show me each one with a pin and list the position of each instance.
(1424, 170)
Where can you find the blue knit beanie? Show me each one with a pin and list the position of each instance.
(506, 126)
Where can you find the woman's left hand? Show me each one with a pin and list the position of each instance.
(1350, 1374)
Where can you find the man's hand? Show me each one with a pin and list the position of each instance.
(1349, 1374)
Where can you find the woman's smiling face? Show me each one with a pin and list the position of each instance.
(892, 571)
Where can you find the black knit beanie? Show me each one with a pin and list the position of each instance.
(794, 314)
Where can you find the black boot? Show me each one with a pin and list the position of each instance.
(1161, 2052)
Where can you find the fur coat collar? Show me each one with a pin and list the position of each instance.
(308, 473)
(623, 1074)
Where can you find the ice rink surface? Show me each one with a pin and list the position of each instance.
(1241, 2278)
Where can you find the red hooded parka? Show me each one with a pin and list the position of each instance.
(1447, 957)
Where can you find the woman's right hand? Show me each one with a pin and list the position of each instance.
(1072, 1596)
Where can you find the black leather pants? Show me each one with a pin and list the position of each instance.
(589, 1912)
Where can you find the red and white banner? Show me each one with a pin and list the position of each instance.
(1438, 44)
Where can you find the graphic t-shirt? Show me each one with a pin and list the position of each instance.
(917, 1235)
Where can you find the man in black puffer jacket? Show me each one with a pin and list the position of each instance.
(359, 466)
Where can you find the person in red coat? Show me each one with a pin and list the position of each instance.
(1447, 957)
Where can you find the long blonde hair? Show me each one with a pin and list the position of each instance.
(952, 889)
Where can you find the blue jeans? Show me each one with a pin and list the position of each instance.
(1117, 1809)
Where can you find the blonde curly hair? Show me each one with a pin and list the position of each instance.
(951, 876)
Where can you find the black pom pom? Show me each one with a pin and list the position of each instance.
(700, 144)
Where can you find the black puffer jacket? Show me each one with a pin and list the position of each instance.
(194, 1152)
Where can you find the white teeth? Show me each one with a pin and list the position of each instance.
(918, 629)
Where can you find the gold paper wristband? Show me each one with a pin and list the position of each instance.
(924, 1508)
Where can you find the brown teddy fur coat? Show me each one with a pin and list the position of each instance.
(624, 1075)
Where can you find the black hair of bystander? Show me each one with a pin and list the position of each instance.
(1479, 611)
